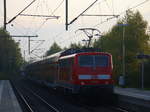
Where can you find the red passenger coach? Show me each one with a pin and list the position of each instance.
(75, 70)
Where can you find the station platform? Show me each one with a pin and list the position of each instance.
(8, 100)
(133, 92)
(137, 100)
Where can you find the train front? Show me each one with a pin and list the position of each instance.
(93, 72)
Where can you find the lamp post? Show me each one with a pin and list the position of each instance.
(122, 78)
(123, 54)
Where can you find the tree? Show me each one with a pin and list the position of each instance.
(136, 41)
(75, 46)
(10, 55)
(53, 49)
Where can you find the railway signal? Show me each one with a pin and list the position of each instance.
(122, 78)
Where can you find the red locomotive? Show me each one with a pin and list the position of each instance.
(75, 70)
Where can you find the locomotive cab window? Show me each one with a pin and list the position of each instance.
(101, 61)
(93, 60)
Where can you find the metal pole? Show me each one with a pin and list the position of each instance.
(123, 52)
(24, 56)
(82, 13)
(90, 38)
(5, 15)
(89, 42)
(29, 44)
(20, 12)
(142, 74)
(66, 14)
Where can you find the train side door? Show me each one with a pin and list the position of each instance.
(65, 69)
(61, 69)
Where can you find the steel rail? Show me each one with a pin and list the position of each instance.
(45, 102)
(22, 98)
(119, 109)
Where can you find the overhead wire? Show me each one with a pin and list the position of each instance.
(43, 23)
(113, 6)
(48, 9)
(54, 12)
(122, 12)
(99, 6)
(58, 36)
(57, 7)
(70, 38)
(67, 39)
(36, 10)
(18, 29)
(39, 6)
(108, 5)
(27, 30)
(139, 4)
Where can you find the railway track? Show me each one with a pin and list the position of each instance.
(30, 100)
(105, 108)
(35, 94)
(22, 98)
(102, 107)
(119, 109)
(42, 100)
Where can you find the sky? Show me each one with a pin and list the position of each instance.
(53, 30)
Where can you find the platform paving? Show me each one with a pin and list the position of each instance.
(133, 92)
(8, 100)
